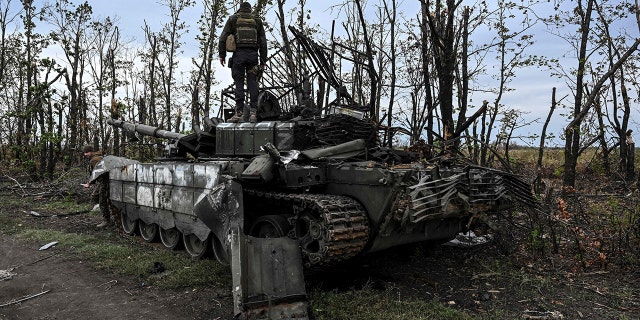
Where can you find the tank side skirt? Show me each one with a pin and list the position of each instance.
(164, 193)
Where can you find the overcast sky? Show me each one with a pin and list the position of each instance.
(532, 86)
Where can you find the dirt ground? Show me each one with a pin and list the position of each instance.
(72, 289)
(480, 280)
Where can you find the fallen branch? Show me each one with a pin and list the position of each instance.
(33, 262)
(17, 183)
(542, 315)
(110, 283)
(14, 301)
(61, 215)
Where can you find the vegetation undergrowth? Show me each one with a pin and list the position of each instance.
(374, 305)
(116, 256)
(109, 251)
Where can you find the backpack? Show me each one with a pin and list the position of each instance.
(230, 44)
(246, 31)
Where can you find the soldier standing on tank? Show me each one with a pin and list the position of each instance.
(100, 193)
(250, 41)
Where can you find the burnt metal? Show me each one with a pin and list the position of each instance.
(302, 190)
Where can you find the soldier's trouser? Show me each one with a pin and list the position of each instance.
(244, 59)
(101, 195)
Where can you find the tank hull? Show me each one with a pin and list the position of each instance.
(399, 205)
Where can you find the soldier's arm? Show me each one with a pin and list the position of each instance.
(262, 39)
(222, 42)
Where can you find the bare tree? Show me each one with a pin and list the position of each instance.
(102, 66)
(169, 39)
(582, 16)
(6, 18)
(511, 46)
(203, 77)
(151, 82)
(442, 27)
(621, 110)
(71, 25)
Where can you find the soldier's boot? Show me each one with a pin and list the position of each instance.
(103, 224)
(236, 118)
(252, 117)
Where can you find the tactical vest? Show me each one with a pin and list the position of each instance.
(246, 31)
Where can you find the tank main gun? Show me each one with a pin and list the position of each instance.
(131, 128)
(181, 144)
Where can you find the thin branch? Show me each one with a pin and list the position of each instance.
(14, 301)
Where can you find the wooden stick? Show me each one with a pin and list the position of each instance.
(23, 299)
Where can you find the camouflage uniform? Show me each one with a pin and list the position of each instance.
(244, 61)
(100, 193)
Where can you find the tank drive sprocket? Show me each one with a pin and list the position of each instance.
(329, 228)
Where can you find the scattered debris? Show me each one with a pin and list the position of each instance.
(14, 301)
(469, 239)
(542, 315)
(48, 245)
(33, 213)
(109, 283)
(158, 267)
(38, 215)
(96, 207)
(6, 274)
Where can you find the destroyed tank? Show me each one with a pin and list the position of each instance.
(337, 201)
(298, 189)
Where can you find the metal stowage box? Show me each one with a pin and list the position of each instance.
(263, 133)
(243, 139)
(284, 136)
(250, 136)
(225, 138)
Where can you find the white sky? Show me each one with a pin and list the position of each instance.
(532, 86)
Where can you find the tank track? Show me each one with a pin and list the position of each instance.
(335, 227)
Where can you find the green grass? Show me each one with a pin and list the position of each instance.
(127, 260)
(109, 251)
(373, 305)
(63, 205)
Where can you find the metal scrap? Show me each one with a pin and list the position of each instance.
(6, 274)
(48, 245)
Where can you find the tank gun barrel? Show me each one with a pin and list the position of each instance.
(145, 129)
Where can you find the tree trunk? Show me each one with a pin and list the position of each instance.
(543, 135)
(572, 133)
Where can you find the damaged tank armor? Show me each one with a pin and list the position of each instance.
(299, 189)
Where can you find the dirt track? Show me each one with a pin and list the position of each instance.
(75, 290)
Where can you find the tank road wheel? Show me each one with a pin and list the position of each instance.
(128, 226)
(148, 232)
(170, 238)
(271, 226)
(218, 250)
(196, 248)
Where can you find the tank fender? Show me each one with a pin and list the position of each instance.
(268, 279)
(221, 209)
(107, 163)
